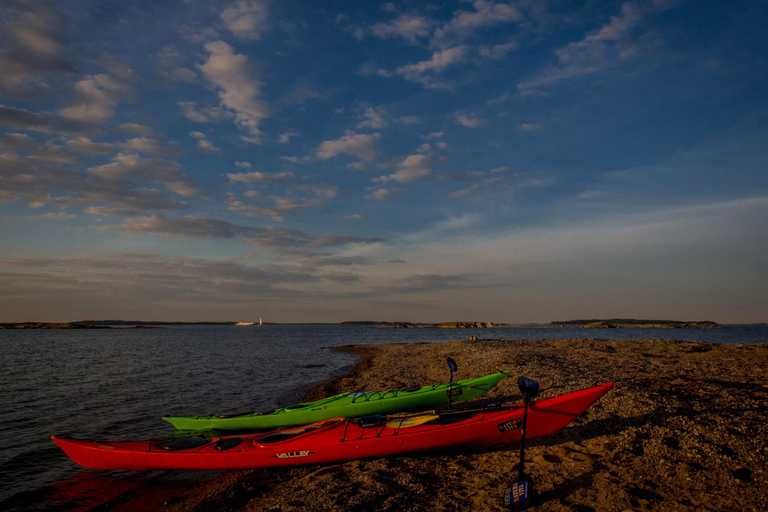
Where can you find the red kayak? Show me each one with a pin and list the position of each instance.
(338, 439)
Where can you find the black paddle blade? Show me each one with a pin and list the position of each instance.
(528, 387)
(452, 365)
(518, 495)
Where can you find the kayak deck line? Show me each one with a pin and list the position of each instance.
(338, 439)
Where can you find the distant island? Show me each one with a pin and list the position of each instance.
(99, 324)
(441, 325)
(585, 324)
(618, 323)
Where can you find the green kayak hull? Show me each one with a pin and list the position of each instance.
(347, 405)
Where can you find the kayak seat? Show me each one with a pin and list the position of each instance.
(226, 444)
(282, 435)
(409, 390)
(183, 443)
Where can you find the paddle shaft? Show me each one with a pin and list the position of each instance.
(522, 437)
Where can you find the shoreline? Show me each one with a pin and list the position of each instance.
(683, 429)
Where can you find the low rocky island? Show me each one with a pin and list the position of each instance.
(631, 323)
(45, 325)
(585, 324)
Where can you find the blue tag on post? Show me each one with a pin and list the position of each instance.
(519, 491)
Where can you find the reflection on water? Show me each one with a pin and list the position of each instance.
(116, 384)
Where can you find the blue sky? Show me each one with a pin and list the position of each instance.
(306, 161)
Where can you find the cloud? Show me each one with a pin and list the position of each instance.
(127, 167)
(362, 146)
(97, 96)
(34, 36)
(246, 19)
(139, 129)
(414, 168)
(239, 89)
(301, 92)
(45, 122)
(374, 118)
(425, 72)
(321, 189)
(169, 68)
(140, 285)
(191, 111)
(382, 194)
(529, 127)
(17, 142)
(465, 23)
(141, 144)
(604, 47)
(498, 51)
(468, 120)
(52, 216)
(280, 208)
(268, 237)
(408, 27)
(262, 177)
(285, 138)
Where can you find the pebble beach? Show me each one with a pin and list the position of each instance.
(684, 429)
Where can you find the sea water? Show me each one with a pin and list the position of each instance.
(116, 384)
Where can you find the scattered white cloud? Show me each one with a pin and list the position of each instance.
(408, 27)
(139, 129)
(465, 23)
(239, 89)
(382, 194)
(97, 98)
(360, 145)
(261, 177)
(374, 118)
(168, 66)
(602, 48)
(468, 120)
(285, 138)
(33, 37)
(246, 19)
(412, 169)
(191, 111)
(498, 51)
(427, 72)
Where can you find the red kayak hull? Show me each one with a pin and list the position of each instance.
(339, 439)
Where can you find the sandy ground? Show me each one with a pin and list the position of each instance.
(684, 429)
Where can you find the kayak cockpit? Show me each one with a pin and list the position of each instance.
(283, 435)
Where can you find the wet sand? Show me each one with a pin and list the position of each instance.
(684, 429)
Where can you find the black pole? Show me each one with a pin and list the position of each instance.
(519, 494)
(521, 473)
(453, 367)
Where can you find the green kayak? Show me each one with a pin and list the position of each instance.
(346, 405)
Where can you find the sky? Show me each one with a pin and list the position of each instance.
(323, 161)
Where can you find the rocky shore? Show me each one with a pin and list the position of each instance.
(684, 429)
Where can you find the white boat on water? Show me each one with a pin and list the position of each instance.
(246, 323)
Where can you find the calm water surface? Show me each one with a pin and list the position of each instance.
(116, 384)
